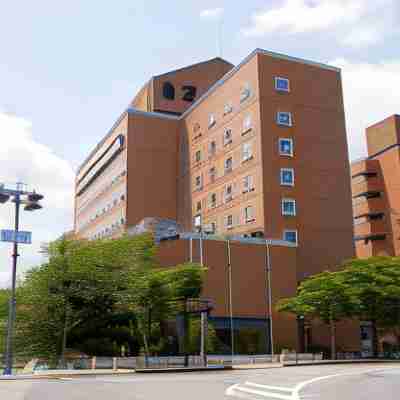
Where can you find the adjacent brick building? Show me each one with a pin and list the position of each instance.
(376, 192)
(257, 150)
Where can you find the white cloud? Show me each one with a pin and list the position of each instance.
(354, 22)
(212, 13)
(371, 93)
(23, 159)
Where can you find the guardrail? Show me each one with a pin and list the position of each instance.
(300, 358)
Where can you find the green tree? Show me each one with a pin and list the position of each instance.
(4, 304)
(374, 286)
(324, 296)
(78, 284)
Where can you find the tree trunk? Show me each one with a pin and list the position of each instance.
(333, 339)
(149, 323)
(64, 338)
(374, 339)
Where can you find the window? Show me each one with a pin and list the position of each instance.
(290, 236)
(229, 221)
(228, 108)
(227, 136)
(211, 121)
(228, 165)
(248, 184)
(282, 84)
(198, 206)
(213, 200)
(213, 174)
(287, 176)
(284, 118)
(168, 91)
(212, 148)
(246, 151)
(198, 156)
(228, 193)
(247, 124)
(198, 182)
(286, 147)
(197, 221)
(289, 207)
(245, 92)
(213, 227)
(248, 214)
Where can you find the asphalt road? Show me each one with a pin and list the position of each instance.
(328, 382)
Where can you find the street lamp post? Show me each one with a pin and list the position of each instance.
(31, 202)
(269, 288)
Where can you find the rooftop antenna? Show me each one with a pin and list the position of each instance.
(216, 15)
(219, 36)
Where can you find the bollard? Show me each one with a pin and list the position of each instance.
(94, 362)
(114, 363)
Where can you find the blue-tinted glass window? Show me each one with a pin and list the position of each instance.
(288, 207)
(282, 84)
(286, 147)
(290, 236)
(284, 118)
(287, 177)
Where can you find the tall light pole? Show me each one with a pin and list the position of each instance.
(269, 289)
(31, 202)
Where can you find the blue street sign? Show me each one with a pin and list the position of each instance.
(8, 235)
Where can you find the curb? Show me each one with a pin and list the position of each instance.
(182, 369)
(333, 362)
(62, 376)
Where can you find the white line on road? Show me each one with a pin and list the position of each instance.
(290, 393)
(266, 392)
(300, 386)
(279, 388)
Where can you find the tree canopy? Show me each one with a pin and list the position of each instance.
(363, 289)
(103, 297)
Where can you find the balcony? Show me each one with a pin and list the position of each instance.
(370, 227)
(366, 186)
(363, 205)
(370, 237)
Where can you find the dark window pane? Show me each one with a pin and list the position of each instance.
(169, 91)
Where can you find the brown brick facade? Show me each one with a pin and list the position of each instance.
(222, 159)
(376, 192)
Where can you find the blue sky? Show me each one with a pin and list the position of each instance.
(68, 69)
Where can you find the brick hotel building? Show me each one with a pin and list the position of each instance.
(254, 150)
(376, 192)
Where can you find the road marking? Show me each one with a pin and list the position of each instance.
(268, 391)
(286, 392)
(300, 386)
(279, 388)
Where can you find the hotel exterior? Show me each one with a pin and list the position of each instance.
(256, 150)
(376, 192)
